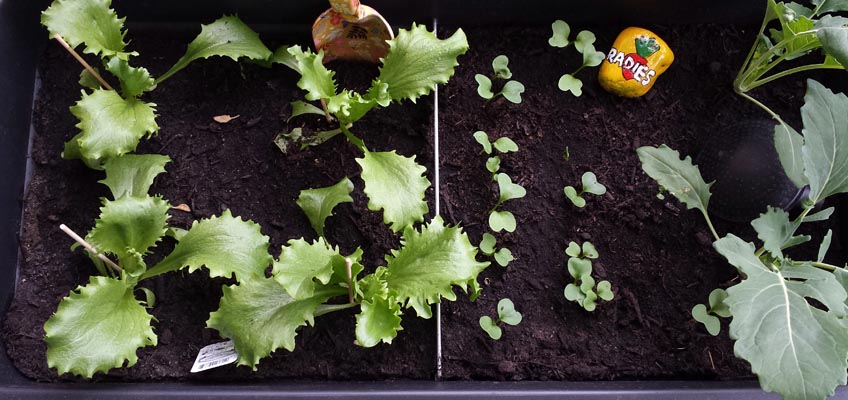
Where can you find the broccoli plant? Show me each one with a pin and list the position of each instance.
(263, 315)
(787, 315)
(584, 43)
(100, 325)
(590, 185)
(499, 220)
(511, 90)
(709, 315)
(583, 290)
(506, 314)
(111, 122)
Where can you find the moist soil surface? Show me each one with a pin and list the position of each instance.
(656, 254)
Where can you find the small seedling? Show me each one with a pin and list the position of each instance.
(584, 43)
(709, 316)
(502, 145)
(583, 290)
(506, 314)
(590, 185)
(511, 90)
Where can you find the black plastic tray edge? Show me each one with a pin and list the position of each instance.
(21, 40)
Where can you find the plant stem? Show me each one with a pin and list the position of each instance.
(792, 71)
(88, 247)
(348, 266)
(710, 225)
(820, 265)
(85, 65)
(763, 106)
(353, 139)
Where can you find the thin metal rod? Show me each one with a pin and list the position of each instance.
(438, 210)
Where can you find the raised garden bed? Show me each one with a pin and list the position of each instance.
(657, 255)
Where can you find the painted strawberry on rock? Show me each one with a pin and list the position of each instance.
(645, 47)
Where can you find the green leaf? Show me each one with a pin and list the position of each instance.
(98, 327)
(493, 164)
(134, 81)
(568, 83)
(133, 174)
(315, 79)
(379, 321)
(717, 305)
(576, 199)
(712, 323)
(483, 138)
(487, 245)
(110, 125)
(796, 349)
(418, 61)
(587, 283)
(605, 290)
(484, 86)
(593, 58)
(788, 144)
(505, 145)
(318, 204)
(284, 57)
(396, 185)
(776, 230)
(130, 225)
(822, 215)
(512, 91)
(502, 221)
(679, 177)
(584, 43)
(589, 303)
(833, 38)
(825, 245)
(591, 184)
(229, 37)
(572, 293)
(89, 22)
(573, 250)
(579, 268)
(503, 257)
(301, 263)
(830, 5)
(559, 38)
(492, 329)
(88, 80)
(429, 263)
(825, 152)
(508, 190)
(300, 108)
(589, 251)
(260, 317)
(740, 254)
(501, 67)
(507, 313)
(226, 245)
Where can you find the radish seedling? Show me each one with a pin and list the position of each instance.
(511, 90)
(506, 314)
(583, 290)
(708, 315)
(590, 185)
(584, 43)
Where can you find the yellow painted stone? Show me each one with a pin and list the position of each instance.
(637, 58)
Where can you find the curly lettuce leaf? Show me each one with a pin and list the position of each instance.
(302, 263)
(134, 80)
(318, 204)
(315, 79)
(260, 317)
(130, 226)
(229, 37)
(379, 321)
(417, 61)
(396, 185)
(227, 246)
(133, 174)
(797, 349)
(429, 263)
(111, 126)
(90, 22)
(98, 327)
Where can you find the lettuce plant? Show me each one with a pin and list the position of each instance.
(112, 123)
(787, 315)
(100, 325)
(262, 315)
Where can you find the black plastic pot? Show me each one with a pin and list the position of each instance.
(22, 39)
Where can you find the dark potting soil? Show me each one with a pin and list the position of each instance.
(215, 167)
(656, 254)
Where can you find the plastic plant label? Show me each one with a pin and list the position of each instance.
(637, 58)
(214, 356)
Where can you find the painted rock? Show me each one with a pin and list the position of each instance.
(637, 58)
(351, 31)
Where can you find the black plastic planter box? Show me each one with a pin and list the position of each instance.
(22, 40)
